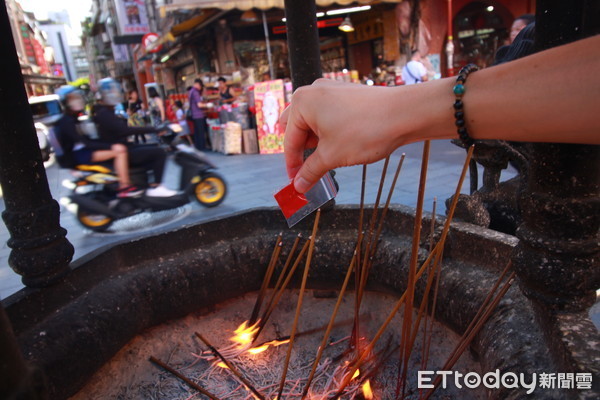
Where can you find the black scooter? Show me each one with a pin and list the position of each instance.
(95, 189)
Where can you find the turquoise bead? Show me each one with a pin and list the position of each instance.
(459, 89)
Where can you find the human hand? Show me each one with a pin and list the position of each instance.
(349, 124)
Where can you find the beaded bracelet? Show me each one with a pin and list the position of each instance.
(459, 114)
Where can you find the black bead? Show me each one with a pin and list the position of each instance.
(459, 115)
(460, 123)
(462, 131)
(458, 105)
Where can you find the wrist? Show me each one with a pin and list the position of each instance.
(421, 112)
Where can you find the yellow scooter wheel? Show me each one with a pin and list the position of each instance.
(95, 222)
(210, 191)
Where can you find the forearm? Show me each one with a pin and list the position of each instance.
(551, 96)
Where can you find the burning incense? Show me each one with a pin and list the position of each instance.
(484, 305)
(311, 249)
(386, 208)
(364, 263)
(282, 275)
(429, 318)
(353, 367)
(434, 253)
(356, 328)
(329, 327)
(189, 382)
(287, 280)
(468, 336)
(231, 368)
(412, 269)
(432, 226)
(266, 280)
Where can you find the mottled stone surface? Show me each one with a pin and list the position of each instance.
(74, 327)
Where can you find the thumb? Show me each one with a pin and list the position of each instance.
(311, 171)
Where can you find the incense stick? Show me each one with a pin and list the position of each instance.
(364, 263)
(384, 214)
(231, 367)
(428, 325)
(329, 327)
(484, 304)
(188, 381)
(356, 363)
(434, 253)
(288, 261)
(311, 249)
(267, 278)
(356, 330)
(269, 311)
(412, 269)
(467, 338)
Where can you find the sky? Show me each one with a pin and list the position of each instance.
(78, 10)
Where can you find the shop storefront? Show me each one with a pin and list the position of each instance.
(478, 28)
(249, 48)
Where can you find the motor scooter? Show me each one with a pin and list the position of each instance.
(94, 189)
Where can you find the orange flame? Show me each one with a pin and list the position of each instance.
(244, 334)
(366, 389)
(356, 373)
(258, 350)
(265, 346)
(222, 365)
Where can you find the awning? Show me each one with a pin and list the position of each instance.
(260, 4)
(191, 23)
(44, 79)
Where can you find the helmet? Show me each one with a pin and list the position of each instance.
(64, 91)
(73, 103)
(110, 91)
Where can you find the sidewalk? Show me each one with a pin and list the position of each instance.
(252, 180)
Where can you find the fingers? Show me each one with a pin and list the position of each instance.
(295, 140)
(310, 172)
(296, 120)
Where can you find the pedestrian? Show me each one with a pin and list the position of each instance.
(136, 113)
(180, 115)
(156, 107)
(225, 92)
(414, 71)
(538, 98)
(197, 107)
(519, 23)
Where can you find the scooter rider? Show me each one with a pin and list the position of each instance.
(112, 129)
(77, 149)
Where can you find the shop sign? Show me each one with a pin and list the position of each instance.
(132, 17)
(324, 23)
(368, 30)
(269, 98)
(149, 40)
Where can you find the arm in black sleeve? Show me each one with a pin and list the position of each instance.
(112, 129)
(67, 133)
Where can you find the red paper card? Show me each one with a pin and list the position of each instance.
(290, 200)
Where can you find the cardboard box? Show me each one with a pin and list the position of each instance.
(249, 141)
(232, 143)
(216, 138)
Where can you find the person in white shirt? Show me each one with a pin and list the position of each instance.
(414, 71)
(182, 121)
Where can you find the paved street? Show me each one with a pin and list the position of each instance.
(252, 181)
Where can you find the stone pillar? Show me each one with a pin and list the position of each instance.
(557, 258)
(303, 42)
(17, 379)
(41, 253)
